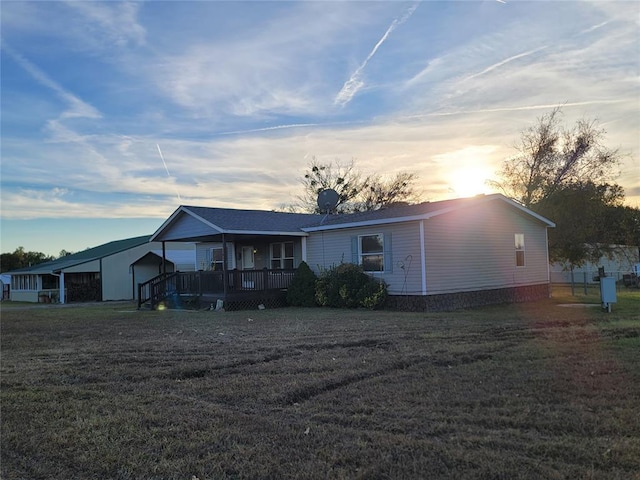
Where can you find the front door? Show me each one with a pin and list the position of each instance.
(247, 258)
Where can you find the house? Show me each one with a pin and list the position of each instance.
(619, 263)
(108, 272)
(434, 255)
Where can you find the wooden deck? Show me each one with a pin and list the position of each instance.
(205, 287)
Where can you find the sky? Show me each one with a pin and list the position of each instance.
(113, 113)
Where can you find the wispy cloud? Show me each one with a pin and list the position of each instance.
(77, 108)
(504, 62)
(113, 22)
(352, 86)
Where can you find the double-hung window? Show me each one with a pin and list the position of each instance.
(519, 244)
(371, 249)
(282, 255)
(217, 258)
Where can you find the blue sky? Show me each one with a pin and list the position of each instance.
(239, 96)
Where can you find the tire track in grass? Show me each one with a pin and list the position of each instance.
(289, 352)
(313, 390)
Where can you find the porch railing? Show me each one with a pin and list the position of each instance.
(212, 282)
(157, 289)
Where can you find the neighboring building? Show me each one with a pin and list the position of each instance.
(433, 255)
(621, 262)
(108, 272)
(5, 284)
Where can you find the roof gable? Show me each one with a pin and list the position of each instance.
(202, 221)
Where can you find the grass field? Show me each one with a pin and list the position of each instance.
(522, 391)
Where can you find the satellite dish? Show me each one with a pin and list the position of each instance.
(327, 200)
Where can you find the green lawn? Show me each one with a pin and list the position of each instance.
(522, 391)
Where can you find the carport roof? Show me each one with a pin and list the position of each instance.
(85, 256)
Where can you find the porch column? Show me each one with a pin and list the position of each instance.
(62, 299)
(225, 281)
(304, 249)
(164, 258)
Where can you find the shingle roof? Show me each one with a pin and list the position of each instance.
(232, 220)
(228, 220)
(85, 256)
(420, 211)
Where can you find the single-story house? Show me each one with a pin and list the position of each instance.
(433, 255)
(108, 272)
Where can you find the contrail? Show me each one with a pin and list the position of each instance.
(167, 170)
(354, 84)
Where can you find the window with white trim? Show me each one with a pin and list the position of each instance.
(519, 244)
(371, 249)
(217, 258)
(281, 255)
(24, 282)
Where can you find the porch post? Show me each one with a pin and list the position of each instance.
(225, 281)
(164, 258)
(62, 299)
(304, 249)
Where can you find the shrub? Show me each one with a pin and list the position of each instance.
(301, 292)
(347, 286)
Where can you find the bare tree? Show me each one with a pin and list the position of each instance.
(551, 157)
(380, 192)
(356, 192)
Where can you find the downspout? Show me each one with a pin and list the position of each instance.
(61, 285)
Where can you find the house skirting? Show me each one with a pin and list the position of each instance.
(461, 300)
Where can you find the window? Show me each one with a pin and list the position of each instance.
(216, 258)
(282, 255)
(24, 282)
(49, 282)
(519, 244)
(372, 252)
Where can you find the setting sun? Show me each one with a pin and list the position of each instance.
(467, 182)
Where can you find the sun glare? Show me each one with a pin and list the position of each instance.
(467, 182)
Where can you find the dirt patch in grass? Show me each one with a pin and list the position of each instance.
(526, 391)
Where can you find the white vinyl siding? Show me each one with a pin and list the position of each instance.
(402, 253)
(465, 250)
(473, 249)
(187, 226)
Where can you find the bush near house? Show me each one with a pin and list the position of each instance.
(348, 286)
(302, 291)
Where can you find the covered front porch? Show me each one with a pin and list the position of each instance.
(202, 289)
(245, 256)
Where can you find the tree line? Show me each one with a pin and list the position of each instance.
(20, 258)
